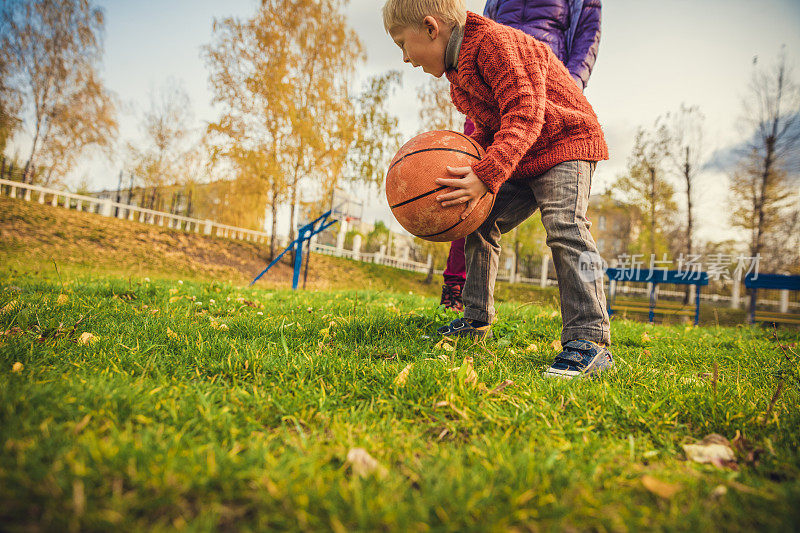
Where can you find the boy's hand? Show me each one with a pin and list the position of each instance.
(469, 189)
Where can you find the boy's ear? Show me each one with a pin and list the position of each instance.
(431, 26)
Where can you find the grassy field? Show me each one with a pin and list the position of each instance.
(160, 404)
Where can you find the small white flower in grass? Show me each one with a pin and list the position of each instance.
(212, 301)
(260, 313)
(147, 280)
(180, 282)
(198, 304)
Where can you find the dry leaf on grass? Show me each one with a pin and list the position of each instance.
(660, 488)
(363, 464)
(62, 299)
(714, 449)
(87, 338)
(467, 373)
(531, 348)
(171, 334)
(17, 367)
(402, 377)
(499, 388)
(556, 345)
(645, 337)
(455, 409)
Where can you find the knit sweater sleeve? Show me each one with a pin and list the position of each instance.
(516, 76)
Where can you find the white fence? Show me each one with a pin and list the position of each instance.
(109, 208)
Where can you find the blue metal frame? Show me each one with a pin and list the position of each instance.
(656, 276)
(769, 281)
(304, 234)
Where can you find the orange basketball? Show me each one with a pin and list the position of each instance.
(411, 187)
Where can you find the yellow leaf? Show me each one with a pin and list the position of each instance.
(17, 367)
(171, 334)
(402, 377)
(660, 488)
(499, 388)
(11, 306)
(87, 338)
(467, 372)
(645, 337)
(556, 345)
(448, 347)
(363, 464)
(712, 449)
(62, 299)
(173, 291)
(532, 348)
(175, 299)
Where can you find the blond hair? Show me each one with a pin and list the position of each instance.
(411, 13)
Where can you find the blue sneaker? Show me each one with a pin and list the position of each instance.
(461, 327)
(580, 359)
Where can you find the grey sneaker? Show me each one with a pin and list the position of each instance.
(580, 359)
(461, 327)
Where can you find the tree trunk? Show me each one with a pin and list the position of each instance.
(274, 233)
(429, 279)
(687, 174)
(652, 211)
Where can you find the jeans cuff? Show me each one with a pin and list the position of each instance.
(483, 316)
(598, 335)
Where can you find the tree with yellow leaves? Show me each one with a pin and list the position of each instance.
(283, 78)
(51, 50)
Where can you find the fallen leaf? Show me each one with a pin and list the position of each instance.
(10, 307)
(531, 348)
(175, 299)
(171, 334)
(87, 338)
(402, 377)
(646, 352)
(645, 337)
(82, 424)
(467, 373)
(660, 488)
(455, 409)
(447, 347)
(714, 449)
(62, 299)
(719, 491)
(363, 464)
(503, 385)
(17, 367)
(556, 345)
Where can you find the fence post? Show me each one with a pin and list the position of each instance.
(784, 300)
(105, 207)
(512, 274)
(54, 201)
(27, 195)
(209, 226)
(545, 266)
(737, 284)
(357, 247)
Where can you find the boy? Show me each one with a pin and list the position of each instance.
(542, 142)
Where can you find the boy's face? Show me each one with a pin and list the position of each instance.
(423, 47)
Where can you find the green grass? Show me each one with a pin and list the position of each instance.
(205, 406)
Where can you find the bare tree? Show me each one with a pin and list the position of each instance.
(51, 49)
(165, 150)
(645, 186)
(761, 193)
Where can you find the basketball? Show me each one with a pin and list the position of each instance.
(411, 187)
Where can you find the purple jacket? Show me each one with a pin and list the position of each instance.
(573, 38)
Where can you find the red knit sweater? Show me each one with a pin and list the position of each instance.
(528, 112)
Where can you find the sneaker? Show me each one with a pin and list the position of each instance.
(579, 359)
(461, 327)
(451, 297)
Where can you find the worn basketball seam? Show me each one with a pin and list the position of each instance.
(434, 150)
(456, 224)
(423, 195)
(470, 139)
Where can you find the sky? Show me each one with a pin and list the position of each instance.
(654, 55)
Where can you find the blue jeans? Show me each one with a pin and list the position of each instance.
(562, 194)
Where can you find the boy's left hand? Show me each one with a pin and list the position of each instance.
(469, 189)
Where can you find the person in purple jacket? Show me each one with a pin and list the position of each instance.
(572, 30)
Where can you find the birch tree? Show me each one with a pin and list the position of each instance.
(437, 111)
(52, 49)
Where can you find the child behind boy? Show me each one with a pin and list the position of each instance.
(542, 142)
